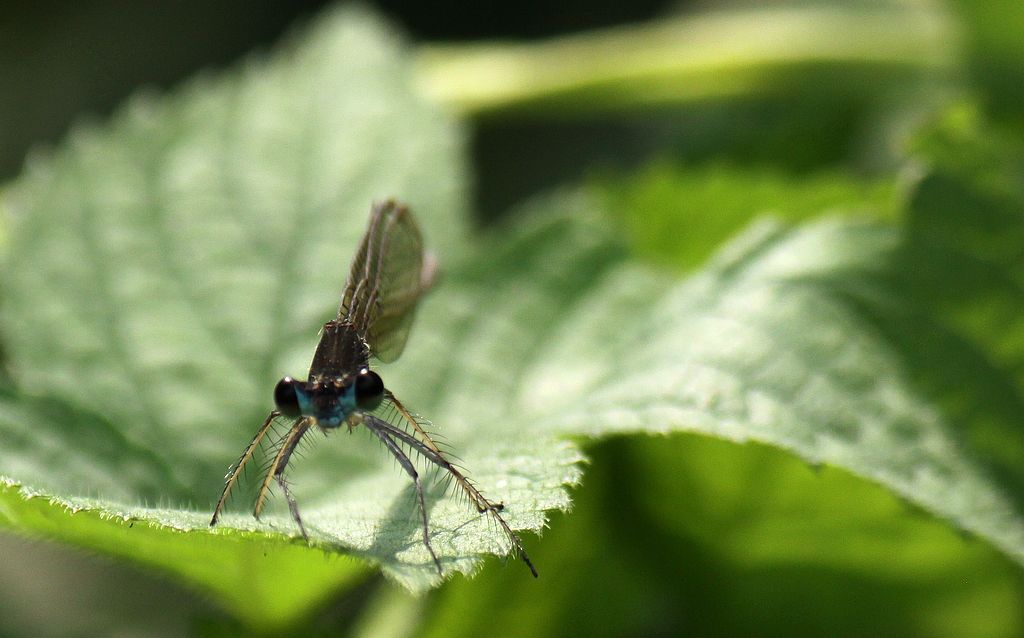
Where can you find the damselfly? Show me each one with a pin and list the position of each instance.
(388, 276)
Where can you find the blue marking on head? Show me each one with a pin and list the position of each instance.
(329, 411)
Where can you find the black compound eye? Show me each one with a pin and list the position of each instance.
(286, 397)
(369, 389)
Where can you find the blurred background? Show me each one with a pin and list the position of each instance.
(63, 63)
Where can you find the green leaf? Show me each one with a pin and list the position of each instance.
(893, 353)
(689, 212)
(777, 340)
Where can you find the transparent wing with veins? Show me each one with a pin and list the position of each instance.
(389, 274)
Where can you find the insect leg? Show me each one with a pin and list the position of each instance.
(432, 453)
(408, 439)
(482, 504)
(276, 472)
(374, 425)
(232, 478)
(293, 506)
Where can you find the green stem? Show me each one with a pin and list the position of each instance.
(694, 58)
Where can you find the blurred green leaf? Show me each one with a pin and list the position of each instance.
(995, 52)
(689, 535)
(680, 215)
